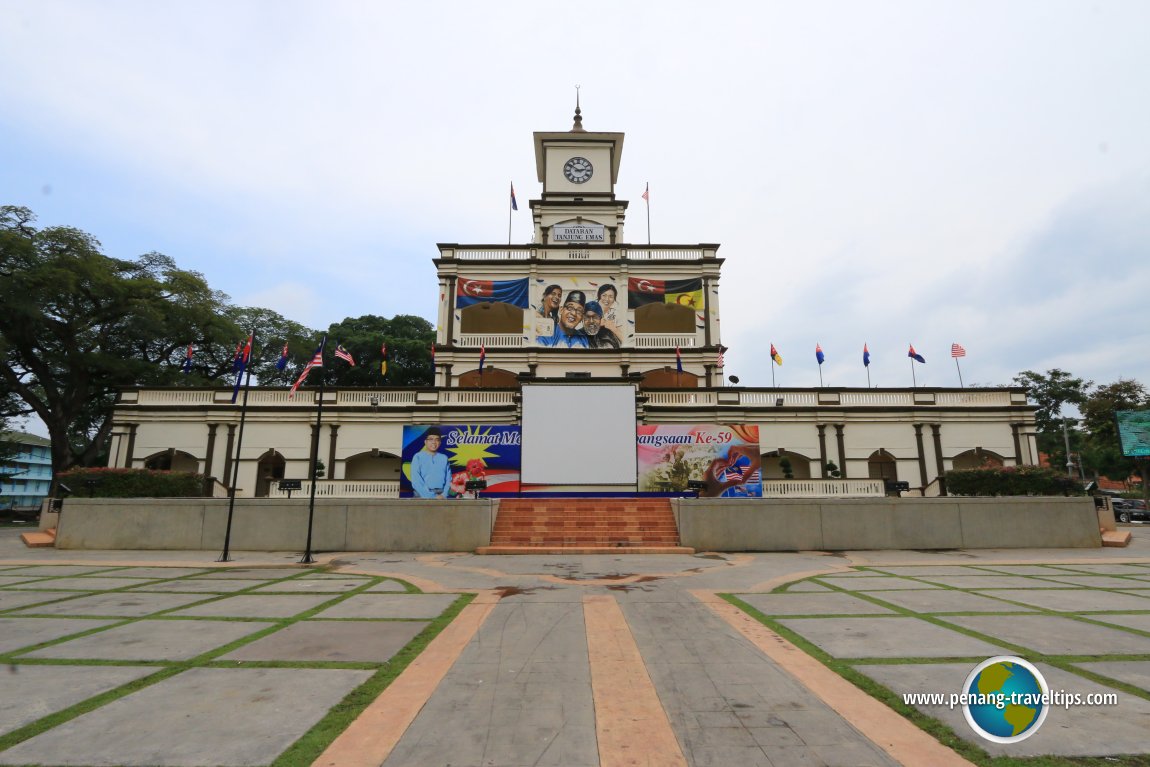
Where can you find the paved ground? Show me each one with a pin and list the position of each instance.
(169, 658)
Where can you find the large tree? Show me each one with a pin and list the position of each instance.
(77, 325)
(408, 340)
(1050, 392)
(1104, 453)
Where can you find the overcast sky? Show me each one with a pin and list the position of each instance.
(889, 173)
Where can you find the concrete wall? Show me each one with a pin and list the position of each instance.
(704, 524)
(275, 524)
(709, 524)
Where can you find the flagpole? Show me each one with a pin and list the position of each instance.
(236, 462)
(820, 375)
(307, 557)
(509, 209)
(772, 374)
(647, 198)
(959, 369)
(913, 380)
(868, 376)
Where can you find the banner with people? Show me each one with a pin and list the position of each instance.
(571, 313)
(439, 460)
(724, 457)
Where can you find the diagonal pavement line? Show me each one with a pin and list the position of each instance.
(630, 724)
(369, 740)
(906, 743)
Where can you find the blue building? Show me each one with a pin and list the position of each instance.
(26, 475)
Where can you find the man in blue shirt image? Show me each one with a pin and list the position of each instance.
(567, 332)
(430, 473)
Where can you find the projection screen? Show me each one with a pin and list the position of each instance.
(578, 434)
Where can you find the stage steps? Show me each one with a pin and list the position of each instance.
(585, 526)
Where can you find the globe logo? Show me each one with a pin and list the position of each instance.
(1005, 699)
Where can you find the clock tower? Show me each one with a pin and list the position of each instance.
(579, 301)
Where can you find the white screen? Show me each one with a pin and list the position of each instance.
(579, 434)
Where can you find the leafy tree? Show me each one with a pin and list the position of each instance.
(78, 325)
(1050, 392)
(1104, 453)
(408, 340)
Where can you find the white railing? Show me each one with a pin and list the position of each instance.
(371, 397)
(581, 252)
(878, 399)
(476, 340)
(680, 398)
(973, 399)
(663, 340)
(789, 398)
(175, 397)
(823, 488)
(341, 488)
(476, 397)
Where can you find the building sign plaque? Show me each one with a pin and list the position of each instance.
(578, 233)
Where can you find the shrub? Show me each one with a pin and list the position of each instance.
(133, 483)
(1011, 480)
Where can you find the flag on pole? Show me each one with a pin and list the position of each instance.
(957, 351)
(678, 360)
(433, 362)
(281, 363)
(647, 194)
(383, 360)
(819, 354)
(316, 361)
(778, 358)
(187, 366)
(344, 355)
(514, 205)
(720, 361)
(240, 363)
(915, 355)
(482, 357)
(866, 357)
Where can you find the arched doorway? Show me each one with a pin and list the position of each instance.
(491, 378)
(882, 465)
(172, 460)
(977, 459)
(669, 378)
(773, 468)
(373, 465)
(270, 468)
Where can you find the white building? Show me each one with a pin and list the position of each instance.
(659, 305)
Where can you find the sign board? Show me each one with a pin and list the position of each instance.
(291, 484)
(1134, 432)
(578, 233)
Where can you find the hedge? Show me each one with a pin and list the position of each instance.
(133, 483)
(1011, 480)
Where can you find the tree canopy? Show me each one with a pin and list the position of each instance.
(408, 340)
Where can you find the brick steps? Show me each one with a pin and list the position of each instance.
(39, 539)
(586, 526)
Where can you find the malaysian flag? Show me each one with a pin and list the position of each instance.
(647, 194)
(957, 351)
(719, 362)
(734, 474)
(344, 355)
(240, 363)
(316, 361)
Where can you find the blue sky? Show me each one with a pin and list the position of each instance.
(886, 173)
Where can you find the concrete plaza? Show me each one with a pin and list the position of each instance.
(170, 658)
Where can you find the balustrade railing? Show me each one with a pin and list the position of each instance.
(341, 488)
(581, 252)
(823, 488)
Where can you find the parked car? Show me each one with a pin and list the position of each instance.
(1130, 509)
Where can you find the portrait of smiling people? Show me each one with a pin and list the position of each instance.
(551, 301)
(430, 473)
(608, 298)
(598, 335)
(568, 333)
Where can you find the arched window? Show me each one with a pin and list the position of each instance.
(271, 467)
(881, 465)
(977, 459)
(373, 465)
(492, 378)
(773, 465)
(172, 460)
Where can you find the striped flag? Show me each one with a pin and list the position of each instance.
(344, 355)
(719, 362)
(957, 351)
(316, 361)
(647, 194)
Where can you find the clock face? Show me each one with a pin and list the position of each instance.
(578, 170)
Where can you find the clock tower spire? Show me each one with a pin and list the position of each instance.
(578, 126)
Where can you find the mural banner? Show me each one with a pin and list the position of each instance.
(579, 314)
(439, 460)
(470, 292)
(725, 457)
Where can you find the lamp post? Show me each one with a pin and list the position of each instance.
(1066, 439)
